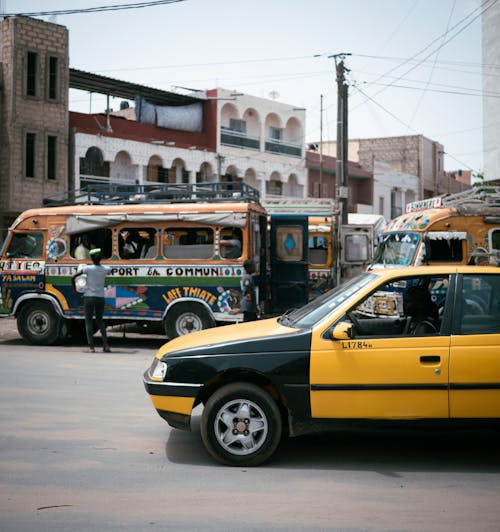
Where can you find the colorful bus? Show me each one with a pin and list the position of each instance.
(462, 228)
(175, 255)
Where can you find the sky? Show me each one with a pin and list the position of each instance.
(414, 68)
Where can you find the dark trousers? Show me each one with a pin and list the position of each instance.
(249, 316)
(91, 306)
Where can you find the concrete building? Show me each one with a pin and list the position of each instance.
(244, 139)
(392, 190)
(322, 182)
(410, 154)
(34, 77)
(491, 103)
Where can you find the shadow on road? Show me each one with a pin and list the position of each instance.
(121, 339)
(386, 451)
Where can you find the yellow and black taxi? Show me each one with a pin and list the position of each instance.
(419, 343)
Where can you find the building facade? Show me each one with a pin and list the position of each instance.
(322, 182)
(414, 155)
(491, 104)
(242, 138)
(34, 80)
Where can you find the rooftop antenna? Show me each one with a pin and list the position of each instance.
(274, 95)
(2, 8)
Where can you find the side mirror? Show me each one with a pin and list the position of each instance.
(342, 331)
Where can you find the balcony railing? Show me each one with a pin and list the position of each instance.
(283, 148)
(230, 137)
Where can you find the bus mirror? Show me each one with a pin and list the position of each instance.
(342, 331)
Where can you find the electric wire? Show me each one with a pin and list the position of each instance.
(96, 9)
(419, 102)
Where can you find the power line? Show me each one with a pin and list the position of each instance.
(408, 126)
(442, 91)
(431, 73)
(97, 9)
(465, 20)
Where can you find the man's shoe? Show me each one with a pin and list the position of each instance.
(106, 349)
(92, 349)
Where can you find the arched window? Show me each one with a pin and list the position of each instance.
(155, 170)
(93, 163)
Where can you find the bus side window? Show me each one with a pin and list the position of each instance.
(26, 246)
(445, 250)
(137, 243)
(318, 250)
(82, 243)
(231, 242)
(188, 243)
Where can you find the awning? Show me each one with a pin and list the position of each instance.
(88, 222)
(446, 235)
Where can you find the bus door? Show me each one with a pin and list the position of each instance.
(289, 262)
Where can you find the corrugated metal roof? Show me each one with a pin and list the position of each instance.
(87, 81)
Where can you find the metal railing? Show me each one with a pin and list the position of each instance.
(230, 137)
(283, 148)
(120, 193)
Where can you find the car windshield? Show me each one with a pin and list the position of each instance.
(397, 249)
(306, 316)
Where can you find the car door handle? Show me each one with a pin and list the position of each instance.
(430, 359)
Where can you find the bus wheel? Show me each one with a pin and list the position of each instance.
(185, 318)
(38, 323)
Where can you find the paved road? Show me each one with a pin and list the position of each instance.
(81, 449)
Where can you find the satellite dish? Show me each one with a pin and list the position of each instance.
(274, 95)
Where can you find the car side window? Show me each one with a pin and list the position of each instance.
(411, 306)
(480, 304)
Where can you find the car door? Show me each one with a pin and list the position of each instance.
(475, 348)
(384, 372)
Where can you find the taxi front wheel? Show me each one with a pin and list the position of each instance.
(241, 425)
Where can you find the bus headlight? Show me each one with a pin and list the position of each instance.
(158, 370)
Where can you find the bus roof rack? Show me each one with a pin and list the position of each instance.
(305, 206)
(477, 195)
(119, 193)
(481, 199)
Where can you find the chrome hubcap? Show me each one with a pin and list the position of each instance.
(241, 427)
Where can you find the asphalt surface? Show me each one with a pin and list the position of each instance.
(82, 449)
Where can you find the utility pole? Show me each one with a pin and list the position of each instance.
(321, 148)
(342, 135)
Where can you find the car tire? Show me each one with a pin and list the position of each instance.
(241, 425)
(185, 318)
(38, 323)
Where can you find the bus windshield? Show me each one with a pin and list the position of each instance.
(397, 249)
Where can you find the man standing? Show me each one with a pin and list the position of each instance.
(248, 303)
(93, 297)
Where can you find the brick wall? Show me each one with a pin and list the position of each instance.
(39, 114)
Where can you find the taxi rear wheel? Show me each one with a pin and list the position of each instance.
(38, 323)
(185, 318)
(241, 425)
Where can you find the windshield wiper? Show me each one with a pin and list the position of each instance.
(284, 319)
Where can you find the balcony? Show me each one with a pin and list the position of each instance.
(283, 148)
(230, 137)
